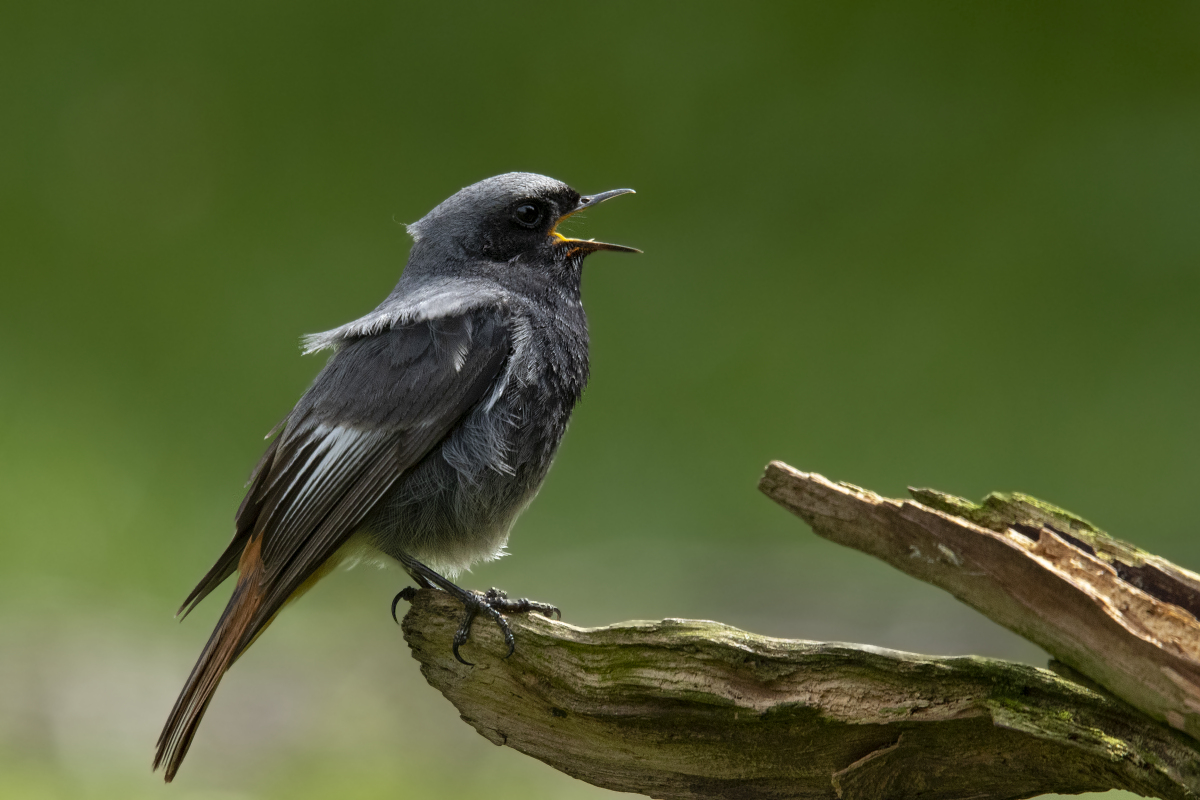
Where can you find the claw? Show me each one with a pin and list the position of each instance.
(461, 660)
(464, 630)
(407, 593)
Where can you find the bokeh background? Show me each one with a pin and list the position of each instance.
(953, 245)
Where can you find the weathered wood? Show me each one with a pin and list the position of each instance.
(1122, 617)
(693, 709)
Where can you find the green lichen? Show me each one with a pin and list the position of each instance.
(1001, 510)
(661, 708)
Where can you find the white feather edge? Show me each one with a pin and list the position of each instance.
(432, 299)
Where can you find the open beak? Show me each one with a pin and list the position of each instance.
(591, 245)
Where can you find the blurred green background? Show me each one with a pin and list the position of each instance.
(947, 244)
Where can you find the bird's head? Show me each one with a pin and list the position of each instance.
(512, 216)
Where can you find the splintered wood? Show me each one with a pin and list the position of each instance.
(1122, 617)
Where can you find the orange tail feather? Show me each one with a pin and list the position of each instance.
(230, 638)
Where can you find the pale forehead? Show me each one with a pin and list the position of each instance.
(507, 188)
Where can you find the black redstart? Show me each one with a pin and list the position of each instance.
(428, 431)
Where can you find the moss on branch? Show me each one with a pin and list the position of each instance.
(696, 709)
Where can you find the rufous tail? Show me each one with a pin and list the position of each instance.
(231, 636)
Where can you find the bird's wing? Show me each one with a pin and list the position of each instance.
(381, 403)
(379, 406)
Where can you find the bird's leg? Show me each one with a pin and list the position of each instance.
(493, 603)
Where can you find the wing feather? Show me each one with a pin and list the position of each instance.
(379, 406)
(376, 409)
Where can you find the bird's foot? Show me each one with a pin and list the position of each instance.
(495, 604)
(492, 603)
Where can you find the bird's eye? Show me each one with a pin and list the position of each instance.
(528, 214)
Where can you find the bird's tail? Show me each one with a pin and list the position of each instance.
(230, 638)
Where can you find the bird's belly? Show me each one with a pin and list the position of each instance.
(447, 522)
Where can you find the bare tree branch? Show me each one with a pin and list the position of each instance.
(1122, 617)
(695, 709)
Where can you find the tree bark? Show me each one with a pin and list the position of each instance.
(696, 709)
(1121, 616)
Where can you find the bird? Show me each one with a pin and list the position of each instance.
(429, 429)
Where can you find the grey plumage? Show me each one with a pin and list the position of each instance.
(430, 428)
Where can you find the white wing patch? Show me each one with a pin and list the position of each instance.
(460, 356)
(340, 450)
